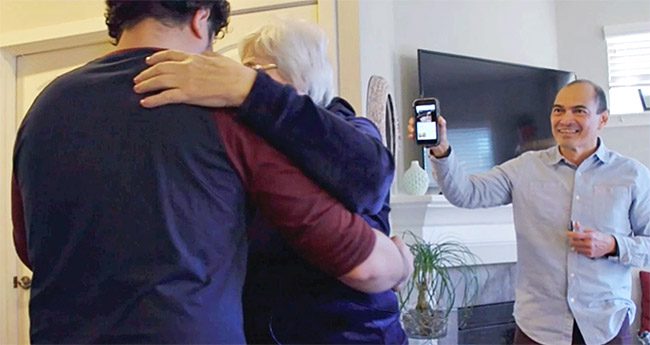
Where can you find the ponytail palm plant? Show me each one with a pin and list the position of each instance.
(431, 292)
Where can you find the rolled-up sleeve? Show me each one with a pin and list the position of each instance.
(634, 250)
(489, 189)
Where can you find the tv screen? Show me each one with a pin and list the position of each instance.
(494, 110)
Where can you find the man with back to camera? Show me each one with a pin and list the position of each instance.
(133, 220)
(572, 287)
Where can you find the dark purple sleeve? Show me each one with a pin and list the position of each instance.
(348, 161)
(317, 226)
(18, 219)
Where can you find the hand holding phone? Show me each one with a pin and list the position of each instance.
(426, 116)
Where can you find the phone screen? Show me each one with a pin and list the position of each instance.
(426, 127)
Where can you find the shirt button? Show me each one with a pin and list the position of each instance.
(573, 249)
(572, 300)
(572, 275)
(577, 197)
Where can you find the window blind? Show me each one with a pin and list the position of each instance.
(628, 55)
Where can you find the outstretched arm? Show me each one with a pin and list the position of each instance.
(344, 157)
(492, 188)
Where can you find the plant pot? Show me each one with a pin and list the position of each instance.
(427, 323)
(430, 293)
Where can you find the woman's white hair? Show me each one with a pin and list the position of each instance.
(299, 49)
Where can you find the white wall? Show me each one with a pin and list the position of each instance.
(508, 30)
(376, 43)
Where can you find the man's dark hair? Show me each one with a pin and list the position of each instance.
(600, 94)
(123, 14)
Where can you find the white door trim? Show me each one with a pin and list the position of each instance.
(8, 260)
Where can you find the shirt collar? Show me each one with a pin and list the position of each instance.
(554, 156)
(602, 152)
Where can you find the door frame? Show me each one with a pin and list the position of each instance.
(61, 36)
(8, 260)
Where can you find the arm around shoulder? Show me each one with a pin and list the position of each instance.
(345, 160)
(313, 223)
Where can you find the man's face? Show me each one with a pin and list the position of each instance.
(575, 119)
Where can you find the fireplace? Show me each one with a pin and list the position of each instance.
(487, 324)
(490, 321)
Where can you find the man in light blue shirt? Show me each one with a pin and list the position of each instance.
(572, 286)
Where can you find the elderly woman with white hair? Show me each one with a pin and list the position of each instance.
(292, 52)
(286, 299)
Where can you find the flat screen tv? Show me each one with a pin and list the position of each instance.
(494, 110)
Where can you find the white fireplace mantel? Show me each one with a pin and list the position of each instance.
(488, 232)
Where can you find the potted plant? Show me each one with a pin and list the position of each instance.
(431, 292)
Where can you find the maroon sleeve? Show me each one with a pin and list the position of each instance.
(18, 219)
(315, 224)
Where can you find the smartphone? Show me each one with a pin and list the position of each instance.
(426, 121)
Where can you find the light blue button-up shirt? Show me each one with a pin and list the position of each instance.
(555, 285)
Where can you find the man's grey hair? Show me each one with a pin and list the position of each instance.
(299, 49)
(600, 97)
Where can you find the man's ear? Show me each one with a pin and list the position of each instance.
(604, 116)
(200, 23)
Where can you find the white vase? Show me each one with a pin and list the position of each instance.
(416, 180)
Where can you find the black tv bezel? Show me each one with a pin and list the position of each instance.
(473, 58)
